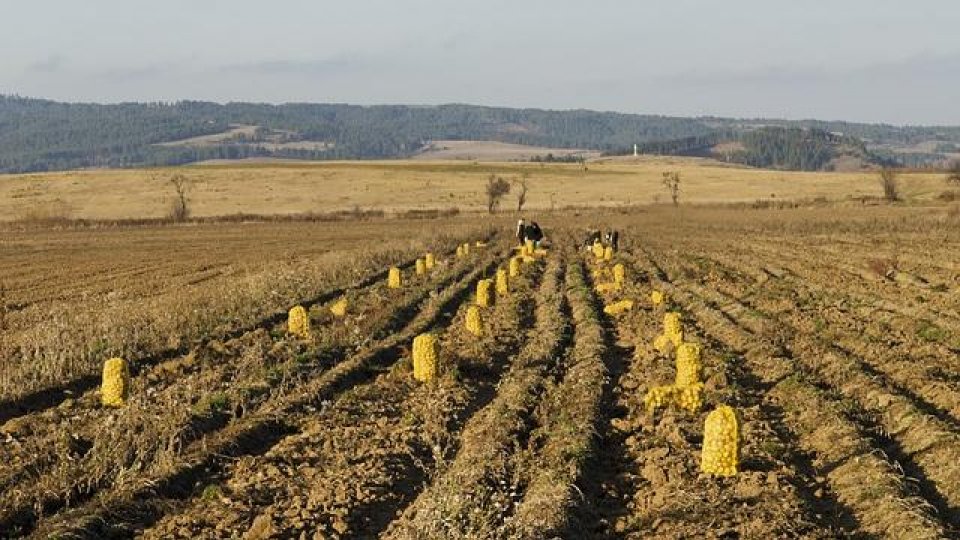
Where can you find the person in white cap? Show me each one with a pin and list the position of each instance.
(521, 231)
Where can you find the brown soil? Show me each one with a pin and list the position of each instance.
(834, 338)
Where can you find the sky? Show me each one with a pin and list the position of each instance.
(888, 61)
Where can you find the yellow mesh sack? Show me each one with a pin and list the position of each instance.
(617, 308)
(672, 327)
(298, 322)
(394, 280)
(721, 442)
(598, 250)
(426, 357)
(657, 298)
(663, 344)
(658, 397)
(514, 267)
(503, 283)
(474, 321)
(619, 274)
(339, 309)
(689, 366)
(607, 287)
(115, 385)
(689, 398)
(485, 293)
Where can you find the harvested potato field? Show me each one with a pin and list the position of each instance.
(720, 373)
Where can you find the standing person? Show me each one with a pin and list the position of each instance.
(615, 240)
(535, 233)
(521, 231)
(593, 236)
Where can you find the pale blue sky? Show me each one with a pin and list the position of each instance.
(865, 60)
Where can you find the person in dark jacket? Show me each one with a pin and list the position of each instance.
(534, 233)
(593, 236)
(613, 239)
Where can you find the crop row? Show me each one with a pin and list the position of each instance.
(864, 482)
(313, 374)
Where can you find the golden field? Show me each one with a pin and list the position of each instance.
(396, 186)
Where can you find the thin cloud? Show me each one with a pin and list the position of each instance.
(920, 66)
(125, 74)
(52, 64)
(326, 66)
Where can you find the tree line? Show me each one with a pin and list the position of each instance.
(42, 135)
(771, 147)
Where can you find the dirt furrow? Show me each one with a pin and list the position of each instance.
(53, 396)
(195, 395)
(142, 357)
(924, 439)
(470, 497)
(866, 285)
(908, 315)
(143, 495)
(847, 453)
(567, 418)
(649, 464)
(917, 366)
(351, 467)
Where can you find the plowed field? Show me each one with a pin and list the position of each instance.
(834, 340)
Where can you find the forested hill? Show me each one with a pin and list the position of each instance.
(40, 135)
(771, 147)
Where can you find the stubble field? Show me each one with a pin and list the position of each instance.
(396, 187)
(832, 332)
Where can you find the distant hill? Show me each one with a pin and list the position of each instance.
(772, 147)
(43, 135)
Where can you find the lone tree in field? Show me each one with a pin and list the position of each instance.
(889, 181)
(497, 188)
(671, 181)
(3, 314)
(180, 207)
(523, 185)
(953, 172)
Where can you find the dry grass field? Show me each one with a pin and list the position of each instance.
(397, 186)
(494, 151)
(831, 331)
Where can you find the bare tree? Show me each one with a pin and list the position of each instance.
(523, 185)
(953, 172)
(5, 351)
(889, 181)
(497, 188)
(671, 181)
(180, 207)
(3, 310)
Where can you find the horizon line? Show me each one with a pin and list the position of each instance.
(487, 106)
